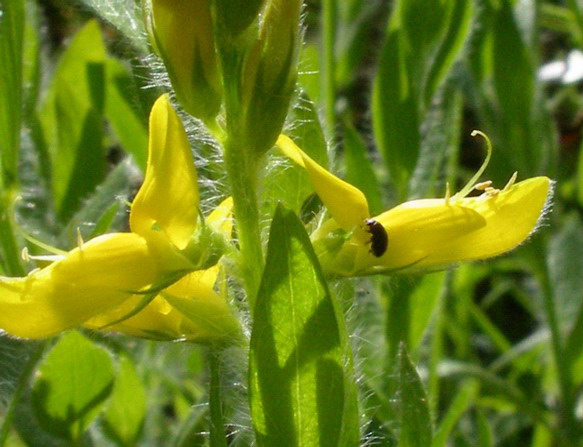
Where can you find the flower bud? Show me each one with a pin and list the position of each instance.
(270, 73)
(182, 33)
(234, 16)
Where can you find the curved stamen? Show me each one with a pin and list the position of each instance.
(470, 185)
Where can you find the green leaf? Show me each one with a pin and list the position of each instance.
(395, 113)
(514, 78)
(509, 100)
(415, 421)
(565, 264)
(72, 121)
(505, 390)
(485, 435)
(12, 21)
(397, 292)
(458, 27)
(128, 122)
(359, 171)
(72, 385)
(302, 389)
(421, 44)
(461, 402)
(126, 409)
(423, 304)
(356, 21)
(31, 73)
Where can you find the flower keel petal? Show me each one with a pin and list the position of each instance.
(96, 277)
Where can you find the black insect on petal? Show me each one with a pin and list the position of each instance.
(379, 240)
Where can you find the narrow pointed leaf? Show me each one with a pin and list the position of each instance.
(416, 429)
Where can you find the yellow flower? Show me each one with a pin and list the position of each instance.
(189, 309)
(419, 234)
(102, 281)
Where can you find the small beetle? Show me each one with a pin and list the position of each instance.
(379, 240)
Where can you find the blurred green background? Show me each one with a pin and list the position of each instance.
(399, 86)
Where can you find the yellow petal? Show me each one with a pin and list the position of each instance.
(431, 232)
(346, 203)
(88, 281)
(168, 200)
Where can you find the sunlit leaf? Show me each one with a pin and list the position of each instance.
(71, 387)
(301, 383)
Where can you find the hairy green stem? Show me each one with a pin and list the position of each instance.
(243, 173)
(217, 430)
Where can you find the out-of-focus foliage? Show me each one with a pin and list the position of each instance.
(482, 355)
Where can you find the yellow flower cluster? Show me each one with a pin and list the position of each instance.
(145, 282)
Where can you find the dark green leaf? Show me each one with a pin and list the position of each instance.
(395, 113)
(416, 427)
(302, 388)
(424, 302)
(72, 121)
(458, 27)
(72, 385)
(359, 171)
(565, 265)
(420, 47)
(356, 21)
(485, 435)
(122, 112)
(12, 20)
(460, 404)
